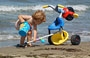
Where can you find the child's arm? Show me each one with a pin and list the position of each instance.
(35, 32)
(23, 18)
(17, 24)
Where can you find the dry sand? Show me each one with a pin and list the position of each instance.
(48, 51)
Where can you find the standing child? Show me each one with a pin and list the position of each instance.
(37, 18)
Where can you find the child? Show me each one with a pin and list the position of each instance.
(37, 18)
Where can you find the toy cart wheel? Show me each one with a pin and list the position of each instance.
(49, 40)
(75, 39)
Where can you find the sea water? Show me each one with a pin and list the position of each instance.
(10, 9)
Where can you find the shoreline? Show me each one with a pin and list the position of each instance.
(12, 42)
(65, 50)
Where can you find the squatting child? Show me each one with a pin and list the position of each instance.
(35, 19)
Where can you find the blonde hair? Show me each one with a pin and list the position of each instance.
(39, 15)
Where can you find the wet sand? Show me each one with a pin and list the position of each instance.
(48, 51)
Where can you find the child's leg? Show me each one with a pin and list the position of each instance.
(22, 40)
(29, 37)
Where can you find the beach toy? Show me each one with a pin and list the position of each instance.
(57, 24)
(75, 39)
(75, 15)
(69, 13)
(45, 6)
(59, 37)
(24, 28)
(42, 40)
(61, 6)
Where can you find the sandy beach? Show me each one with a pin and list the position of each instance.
(48, 51)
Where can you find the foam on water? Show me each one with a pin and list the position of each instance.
(8, 37)
(79, 7)
(37, 7)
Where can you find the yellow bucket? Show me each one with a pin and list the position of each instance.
(59, 37)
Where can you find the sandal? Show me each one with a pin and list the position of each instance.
(19, 45)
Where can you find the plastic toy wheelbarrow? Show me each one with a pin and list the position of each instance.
(62, 36)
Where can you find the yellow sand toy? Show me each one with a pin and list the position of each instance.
(58, 38)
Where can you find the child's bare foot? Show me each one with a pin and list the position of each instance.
(29, 45)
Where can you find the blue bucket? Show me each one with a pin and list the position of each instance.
(24, 28)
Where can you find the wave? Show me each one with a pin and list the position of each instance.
(38, 7)
(9, 37)
(18, 8)
(79, 7)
